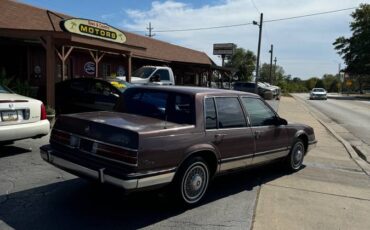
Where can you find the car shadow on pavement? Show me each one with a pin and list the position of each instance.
(9, 150)
(79, 204)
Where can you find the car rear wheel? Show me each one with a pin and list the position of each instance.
(294, 160)
(192, 181)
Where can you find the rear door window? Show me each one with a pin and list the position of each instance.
(230, 113)
(259, 113)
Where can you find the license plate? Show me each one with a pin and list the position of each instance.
(9, 116)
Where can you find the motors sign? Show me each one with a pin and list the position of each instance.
(224, 49)
(93, 29)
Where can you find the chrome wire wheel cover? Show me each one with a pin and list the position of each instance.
(194, 182)
(297, 155)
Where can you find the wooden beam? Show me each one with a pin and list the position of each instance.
(50, 71)
(129, 67)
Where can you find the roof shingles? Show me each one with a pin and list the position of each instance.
(15, 15)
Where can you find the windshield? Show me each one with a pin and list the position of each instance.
(143, 72)
(318, 90)
(3, 89)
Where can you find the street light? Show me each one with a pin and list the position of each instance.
(258, 51)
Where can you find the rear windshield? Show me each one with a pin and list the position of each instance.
(318, 90)
(163, 105)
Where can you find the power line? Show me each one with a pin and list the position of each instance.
(310, 15)
(254, 5)
(246, 24)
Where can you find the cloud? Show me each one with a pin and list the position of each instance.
(306, 41)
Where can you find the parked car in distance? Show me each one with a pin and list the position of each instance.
(265, 92)
(21, 117)
(318, 93)
(276, 90)
(88, 94)
(158, 75)
(181, 136)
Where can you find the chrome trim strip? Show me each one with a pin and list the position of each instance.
(90, 139)
(225, 160)
(155, 180)
(233, 164)
(271, 151)
(105, 178)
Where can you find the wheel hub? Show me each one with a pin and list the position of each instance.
(196, 182)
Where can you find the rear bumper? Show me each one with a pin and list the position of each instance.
(23, 131)
(148, 180)
(313, 96)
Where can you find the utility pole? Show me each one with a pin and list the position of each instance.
(271, 53)
(275, 60)
(150, 29)
(340, 82)
(258, 51)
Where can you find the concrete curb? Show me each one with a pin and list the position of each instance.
(365, 167)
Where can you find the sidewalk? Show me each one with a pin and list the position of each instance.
(344, 96)
(331, 192)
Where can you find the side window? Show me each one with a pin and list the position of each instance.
(230, 113)
(210, 113)
(259, 113)
(163, 73)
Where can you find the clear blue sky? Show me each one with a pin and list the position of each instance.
(303, 47)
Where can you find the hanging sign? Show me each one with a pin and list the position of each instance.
(89, 68)
(93, 29)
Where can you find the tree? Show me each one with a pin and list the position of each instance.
(277, 73)
(265, 73)
(355, 50)
(245, 63)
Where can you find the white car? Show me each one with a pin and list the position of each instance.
(318, 93)
(21, 117)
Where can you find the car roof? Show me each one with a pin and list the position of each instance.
(196, 90)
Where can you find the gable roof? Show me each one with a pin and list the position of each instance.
(15, 15)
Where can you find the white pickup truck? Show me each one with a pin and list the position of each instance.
(159, 75)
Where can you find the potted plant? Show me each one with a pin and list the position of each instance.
(50, 114)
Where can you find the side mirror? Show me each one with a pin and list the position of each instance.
(280, 121)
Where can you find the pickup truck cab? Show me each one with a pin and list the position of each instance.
(159, 75)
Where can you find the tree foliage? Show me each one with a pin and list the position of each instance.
(355, 50)
(245, 63)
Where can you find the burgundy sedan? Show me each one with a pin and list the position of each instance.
(177, 136)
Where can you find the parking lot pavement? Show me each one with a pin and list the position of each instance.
(330, 192)
(36, 195)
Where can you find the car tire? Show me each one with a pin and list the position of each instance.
(294, 160)
(192, 181)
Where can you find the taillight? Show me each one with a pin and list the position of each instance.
(126, 156)
(60, 137)
(43, 112)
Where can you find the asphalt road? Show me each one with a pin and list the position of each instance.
(354, 115)
(36, 195)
